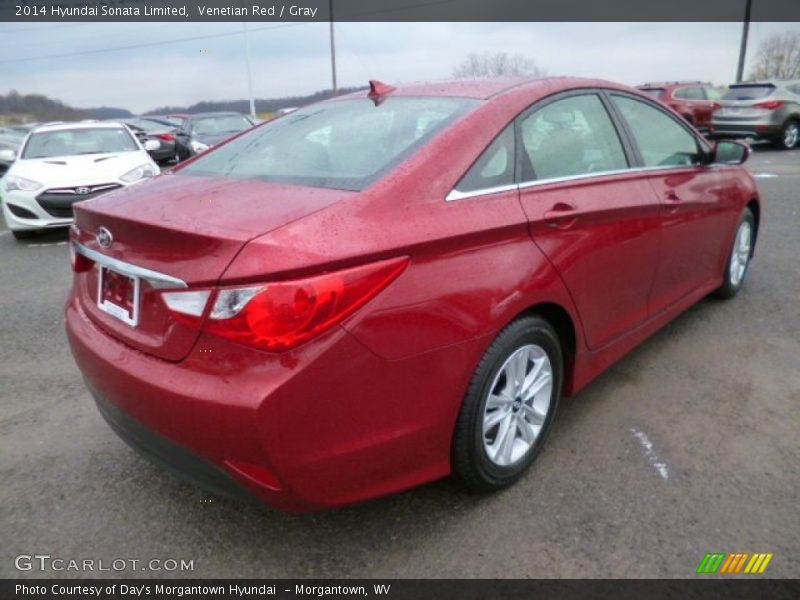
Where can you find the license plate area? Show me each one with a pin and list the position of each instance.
(118, 295)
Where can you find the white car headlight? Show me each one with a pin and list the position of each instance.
(199, 146)
(14, 182)
(140, 172)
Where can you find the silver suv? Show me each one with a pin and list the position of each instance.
(768, 110)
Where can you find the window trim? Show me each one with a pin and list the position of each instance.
(633, 155)
(458, 195)
(702, 145)
(627, 149)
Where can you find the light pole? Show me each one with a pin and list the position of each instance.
(743, 46)
(333, 51)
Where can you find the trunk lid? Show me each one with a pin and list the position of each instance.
(187, 228)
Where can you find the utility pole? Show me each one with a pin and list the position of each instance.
(333, 51)
(249, 75)
(743, 46)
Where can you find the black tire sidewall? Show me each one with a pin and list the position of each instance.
(728, 289)
(529, 330)
(783, 135)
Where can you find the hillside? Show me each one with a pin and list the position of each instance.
(20, 108)
(263, 105)
(26, 108)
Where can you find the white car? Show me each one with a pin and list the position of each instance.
(60, 164)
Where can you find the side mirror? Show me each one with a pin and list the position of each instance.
(728, 152)
(151, 145)
(7, 155)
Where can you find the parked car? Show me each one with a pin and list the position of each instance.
(768, 110)
(390, 286)
(59, 165)
(695, 101)
(11, 138)
(164, 136)
(202, 131)
(174, 120)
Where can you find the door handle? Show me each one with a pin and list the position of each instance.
(672, 201)
(561, 215)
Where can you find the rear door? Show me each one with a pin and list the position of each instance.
(698, 201)
(595, 219)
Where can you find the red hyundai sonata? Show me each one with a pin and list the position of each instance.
(391, 286)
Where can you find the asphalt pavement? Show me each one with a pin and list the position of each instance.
(688, 445)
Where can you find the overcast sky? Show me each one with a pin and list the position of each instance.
(290, 59)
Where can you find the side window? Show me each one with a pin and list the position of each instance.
(690, 93)
(495, 167)
(573, 136)
(713, 93)
(661, 140)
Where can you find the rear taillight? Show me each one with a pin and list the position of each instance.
(80, 264)
(167, 137)
(769, 104)
(187, 307)
(284, 314)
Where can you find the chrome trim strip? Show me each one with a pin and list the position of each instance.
(582, 176)
(456, 195)
(154, 278)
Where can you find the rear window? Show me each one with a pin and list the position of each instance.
(12, 135)
(146, 125)
(656, 93)
(220, 125)
(69, 142)
(748, 92)
(347, 144)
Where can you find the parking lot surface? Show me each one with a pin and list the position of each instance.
(688, 445)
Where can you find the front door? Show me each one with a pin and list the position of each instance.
(595, 219)
(698, 209)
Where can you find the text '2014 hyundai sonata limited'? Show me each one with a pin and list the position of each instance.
(385, 288)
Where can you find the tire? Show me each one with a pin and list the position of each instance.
(484, 459)
(739, 257)
(790, 135)
(24, 234)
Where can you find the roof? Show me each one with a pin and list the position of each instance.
(482, 88)
(661, 84)
(59, 126)
(775, 82)
(224, 113)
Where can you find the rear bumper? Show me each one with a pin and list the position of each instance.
(165, 152)
(176, 459)
(754, 129)
(326, 424)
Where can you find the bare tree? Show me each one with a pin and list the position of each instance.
(778, 57)
(495, 65)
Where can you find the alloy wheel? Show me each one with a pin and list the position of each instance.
(740, 254)
(517, 404)
(791, 135)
